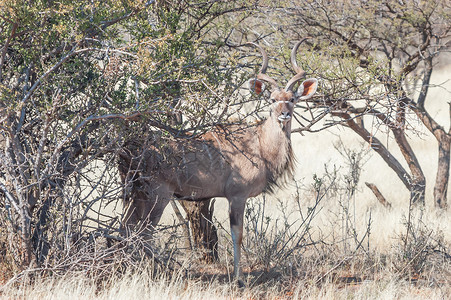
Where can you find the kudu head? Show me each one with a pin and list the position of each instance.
(283, 99)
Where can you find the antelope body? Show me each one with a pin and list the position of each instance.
(234, 162)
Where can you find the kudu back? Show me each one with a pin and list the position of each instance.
(236, 162)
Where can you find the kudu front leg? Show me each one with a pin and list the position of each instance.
(144, 208)
(236, 213)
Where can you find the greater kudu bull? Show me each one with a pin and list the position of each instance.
(236, 162)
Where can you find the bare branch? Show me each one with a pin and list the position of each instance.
(377, 146)
(378, 195)
(14, 202)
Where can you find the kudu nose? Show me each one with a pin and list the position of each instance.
(284, 116)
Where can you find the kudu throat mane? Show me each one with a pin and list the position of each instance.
(279, 158)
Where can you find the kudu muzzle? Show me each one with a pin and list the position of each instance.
(285, 114)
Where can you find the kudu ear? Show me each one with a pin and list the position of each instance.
(256, 86)
(307, 89)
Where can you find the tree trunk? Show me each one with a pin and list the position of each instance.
(418, 180)
(441, 181)
(444, 140)
(204, 233)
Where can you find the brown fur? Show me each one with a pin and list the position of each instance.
(260, 155)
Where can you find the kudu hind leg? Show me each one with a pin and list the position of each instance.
(236, 213)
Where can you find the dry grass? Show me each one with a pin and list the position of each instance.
(141, 284)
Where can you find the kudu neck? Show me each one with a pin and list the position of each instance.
(274, 129)
(275, 140)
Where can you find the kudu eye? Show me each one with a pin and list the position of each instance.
(292, 100)
(273, 100)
